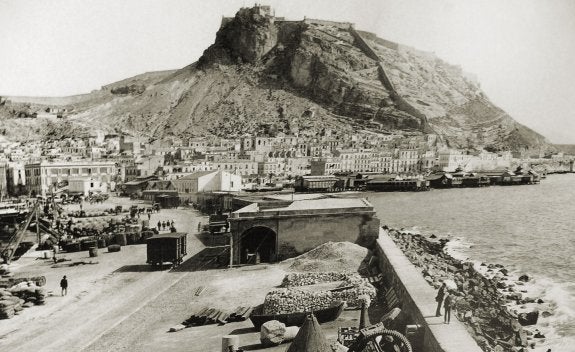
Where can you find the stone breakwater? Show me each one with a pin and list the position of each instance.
(496, 308)
(352, 290)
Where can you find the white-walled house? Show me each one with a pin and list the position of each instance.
(85, 185)
(208, 181)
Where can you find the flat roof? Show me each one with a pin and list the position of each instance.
(310, 204)
(168, 235)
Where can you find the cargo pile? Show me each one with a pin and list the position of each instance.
(340, 257)
(207, 316)
(291, 299)
(304, 279)
(17, 294)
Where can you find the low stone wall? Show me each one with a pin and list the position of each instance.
(416, 297)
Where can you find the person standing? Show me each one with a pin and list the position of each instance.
(64, 285)
(448, 303)
(159, 225)
(439, 299)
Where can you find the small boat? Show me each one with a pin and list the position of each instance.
(297, 318)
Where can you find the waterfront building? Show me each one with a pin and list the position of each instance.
(273, 231)
(451, 159)
(42, 177)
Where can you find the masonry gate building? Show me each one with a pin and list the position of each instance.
(269, 232)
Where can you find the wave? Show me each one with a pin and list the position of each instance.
(556, 316)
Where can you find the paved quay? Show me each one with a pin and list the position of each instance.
(452, 337)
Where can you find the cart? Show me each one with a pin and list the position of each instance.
(167, 248)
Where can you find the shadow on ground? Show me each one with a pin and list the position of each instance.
(242, 331)
(139, 268)
(206, 259)
(210, 240)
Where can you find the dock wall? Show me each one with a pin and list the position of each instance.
(417, 300)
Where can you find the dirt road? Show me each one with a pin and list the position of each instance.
(101, 294)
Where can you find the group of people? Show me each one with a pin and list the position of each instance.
(445, 297)
(163, 225)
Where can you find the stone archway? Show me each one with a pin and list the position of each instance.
(258, 243)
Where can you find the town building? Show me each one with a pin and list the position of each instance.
(45, 177)
(207, 181)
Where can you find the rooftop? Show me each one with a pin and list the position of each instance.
(310, 204)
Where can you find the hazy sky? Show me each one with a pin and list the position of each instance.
(523, 51)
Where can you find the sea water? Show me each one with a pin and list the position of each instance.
(530, 229)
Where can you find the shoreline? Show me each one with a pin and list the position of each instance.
(498, 308)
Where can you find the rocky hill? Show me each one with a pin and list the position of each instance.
(264, 72)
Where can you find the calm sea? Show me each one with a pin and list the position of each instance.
(529, 229)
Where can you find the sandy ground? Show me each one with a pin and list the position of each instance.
(100, 295)
(119, 304)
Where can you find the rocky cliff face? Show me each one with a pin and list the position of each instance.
(304, 76)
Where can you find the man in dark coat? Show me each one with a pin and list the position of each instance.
(439, 299)
(64, 285)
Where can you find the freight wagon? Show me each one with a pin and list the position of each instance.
(167, 248)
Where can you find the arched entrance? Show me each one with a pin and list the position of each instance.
(258, 244)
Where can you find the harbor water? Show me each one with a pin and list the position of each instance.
(529, 229)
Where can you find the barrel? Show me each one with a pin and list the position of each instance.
(93, 251)
(121, 239)
(131, 238)
(232, 341)
(86, 245)
(101, 243)
(114, 248)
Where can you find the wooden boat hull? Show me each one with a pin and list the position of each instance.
(297, 318)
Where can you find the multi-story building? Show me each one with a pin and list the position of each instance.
(451, 159)
(43, 177)
(3, 181)
(238, 167)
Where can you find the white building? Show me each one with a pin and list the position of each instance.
(86, 185)
(208, 181)
(44, 176)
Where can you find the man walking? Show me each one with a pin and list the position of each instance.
(439, 299)
(64, 285)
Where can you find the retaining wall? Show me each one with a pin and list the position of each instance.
(417, 300)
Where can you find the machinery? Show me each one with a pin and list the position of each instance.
(377, 338)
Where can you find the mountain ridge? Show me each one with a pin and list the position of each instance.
(300, 76)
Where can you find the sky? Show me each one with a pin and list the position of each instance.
(522, 51)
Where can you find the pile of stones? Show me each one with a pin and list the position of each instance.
(496, 309)
(303, 279)
(291, 299)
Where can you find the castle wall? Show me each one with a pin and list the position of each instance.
(342, 25)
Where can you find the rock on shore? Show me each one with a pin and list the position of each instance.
(495, 308)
